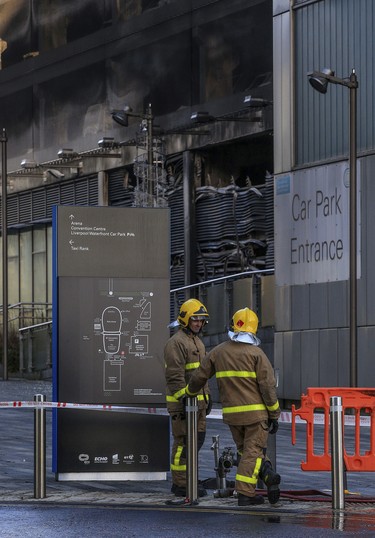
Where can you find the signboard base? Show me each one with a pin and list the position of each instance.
(110, 477)
(139, 445)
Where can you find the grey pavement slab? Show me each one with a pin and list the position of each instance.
(17, 468)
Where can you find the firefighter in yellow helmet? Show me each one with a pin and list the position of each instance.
(247, 391)
(183, 353)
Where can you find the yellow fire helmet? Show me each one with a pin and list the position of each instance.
(245, 320)
(192, 308)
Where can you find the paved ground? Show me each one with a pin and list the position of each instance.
(17, 469)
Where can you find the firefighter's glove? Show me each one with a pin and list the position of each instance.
(183, 411)
(273, 426)
(209, 404)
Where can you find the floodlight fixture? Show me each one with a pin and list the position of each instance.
(67, 153)
(107, 142)
(319, 80)
(121, 117)
(28, 164)
(256, 102)
(201, 117)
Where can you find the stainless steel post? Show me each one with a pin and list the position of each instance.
(337, 455)
(39, 449)
(192, 450)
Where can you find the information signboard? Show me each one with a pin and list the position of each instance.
(111, 311)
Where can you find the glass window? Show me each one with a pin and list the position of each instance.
(39, 266)
(13, 269)
(26, 268)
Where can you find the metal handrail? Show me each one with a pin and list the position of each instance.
(22, 305)
(36, 326)
(22, 312)
(222, 278)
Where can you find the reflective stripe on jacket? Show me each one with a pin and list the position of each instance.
(245, 380)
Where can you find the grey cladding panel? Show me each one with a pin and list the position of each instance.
(292, 364)
(337, 304)
(283, 308)
(215, 304)
(242, 294)
(343, 357)
(318, 305)
(366, 357)
(268, 301)
(279, 362)
(309, 359)
(328, 358)
(368, 236)
(300, 307)
(323, 121)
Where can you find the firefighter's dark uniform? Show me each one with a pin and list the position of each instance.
(247, 391)
(183, 354)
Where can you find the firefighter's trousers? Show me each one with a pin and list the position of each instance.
(178, 454)
(251, 442)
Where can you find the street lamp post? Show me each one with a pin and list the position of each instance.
(319, 81)
(4, 234)
(150, 152)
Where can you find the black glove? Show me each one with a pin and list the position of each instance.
(273, 426)
(209, 404)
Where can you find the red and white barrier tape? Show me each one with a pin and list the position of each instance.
(285, 416)
(349, 420)
(90, 407)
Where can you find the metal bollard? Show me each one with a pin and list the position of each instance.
(337, 455)
(192, 450)
(39, 449)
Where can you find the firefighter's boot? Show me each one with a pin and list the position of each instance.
(271, 481)
(244, 500)
(180, 491)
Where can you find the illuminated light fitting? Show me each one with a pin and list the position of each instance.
(67, 153)
(26, 164)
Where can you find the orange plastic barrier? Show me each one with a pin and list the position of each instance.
(356, 400)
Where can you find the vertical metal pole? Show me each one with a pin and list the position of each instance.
(4, 233)
(150, 153)
(189, 220)
(353, 228)
(192, 450)
(39, 449)
(337, 455)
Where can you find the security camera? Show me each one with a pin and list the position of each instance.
(56, 173)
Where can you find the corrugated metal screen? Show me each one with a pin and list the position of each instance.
(337, 34)
(29, 207)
